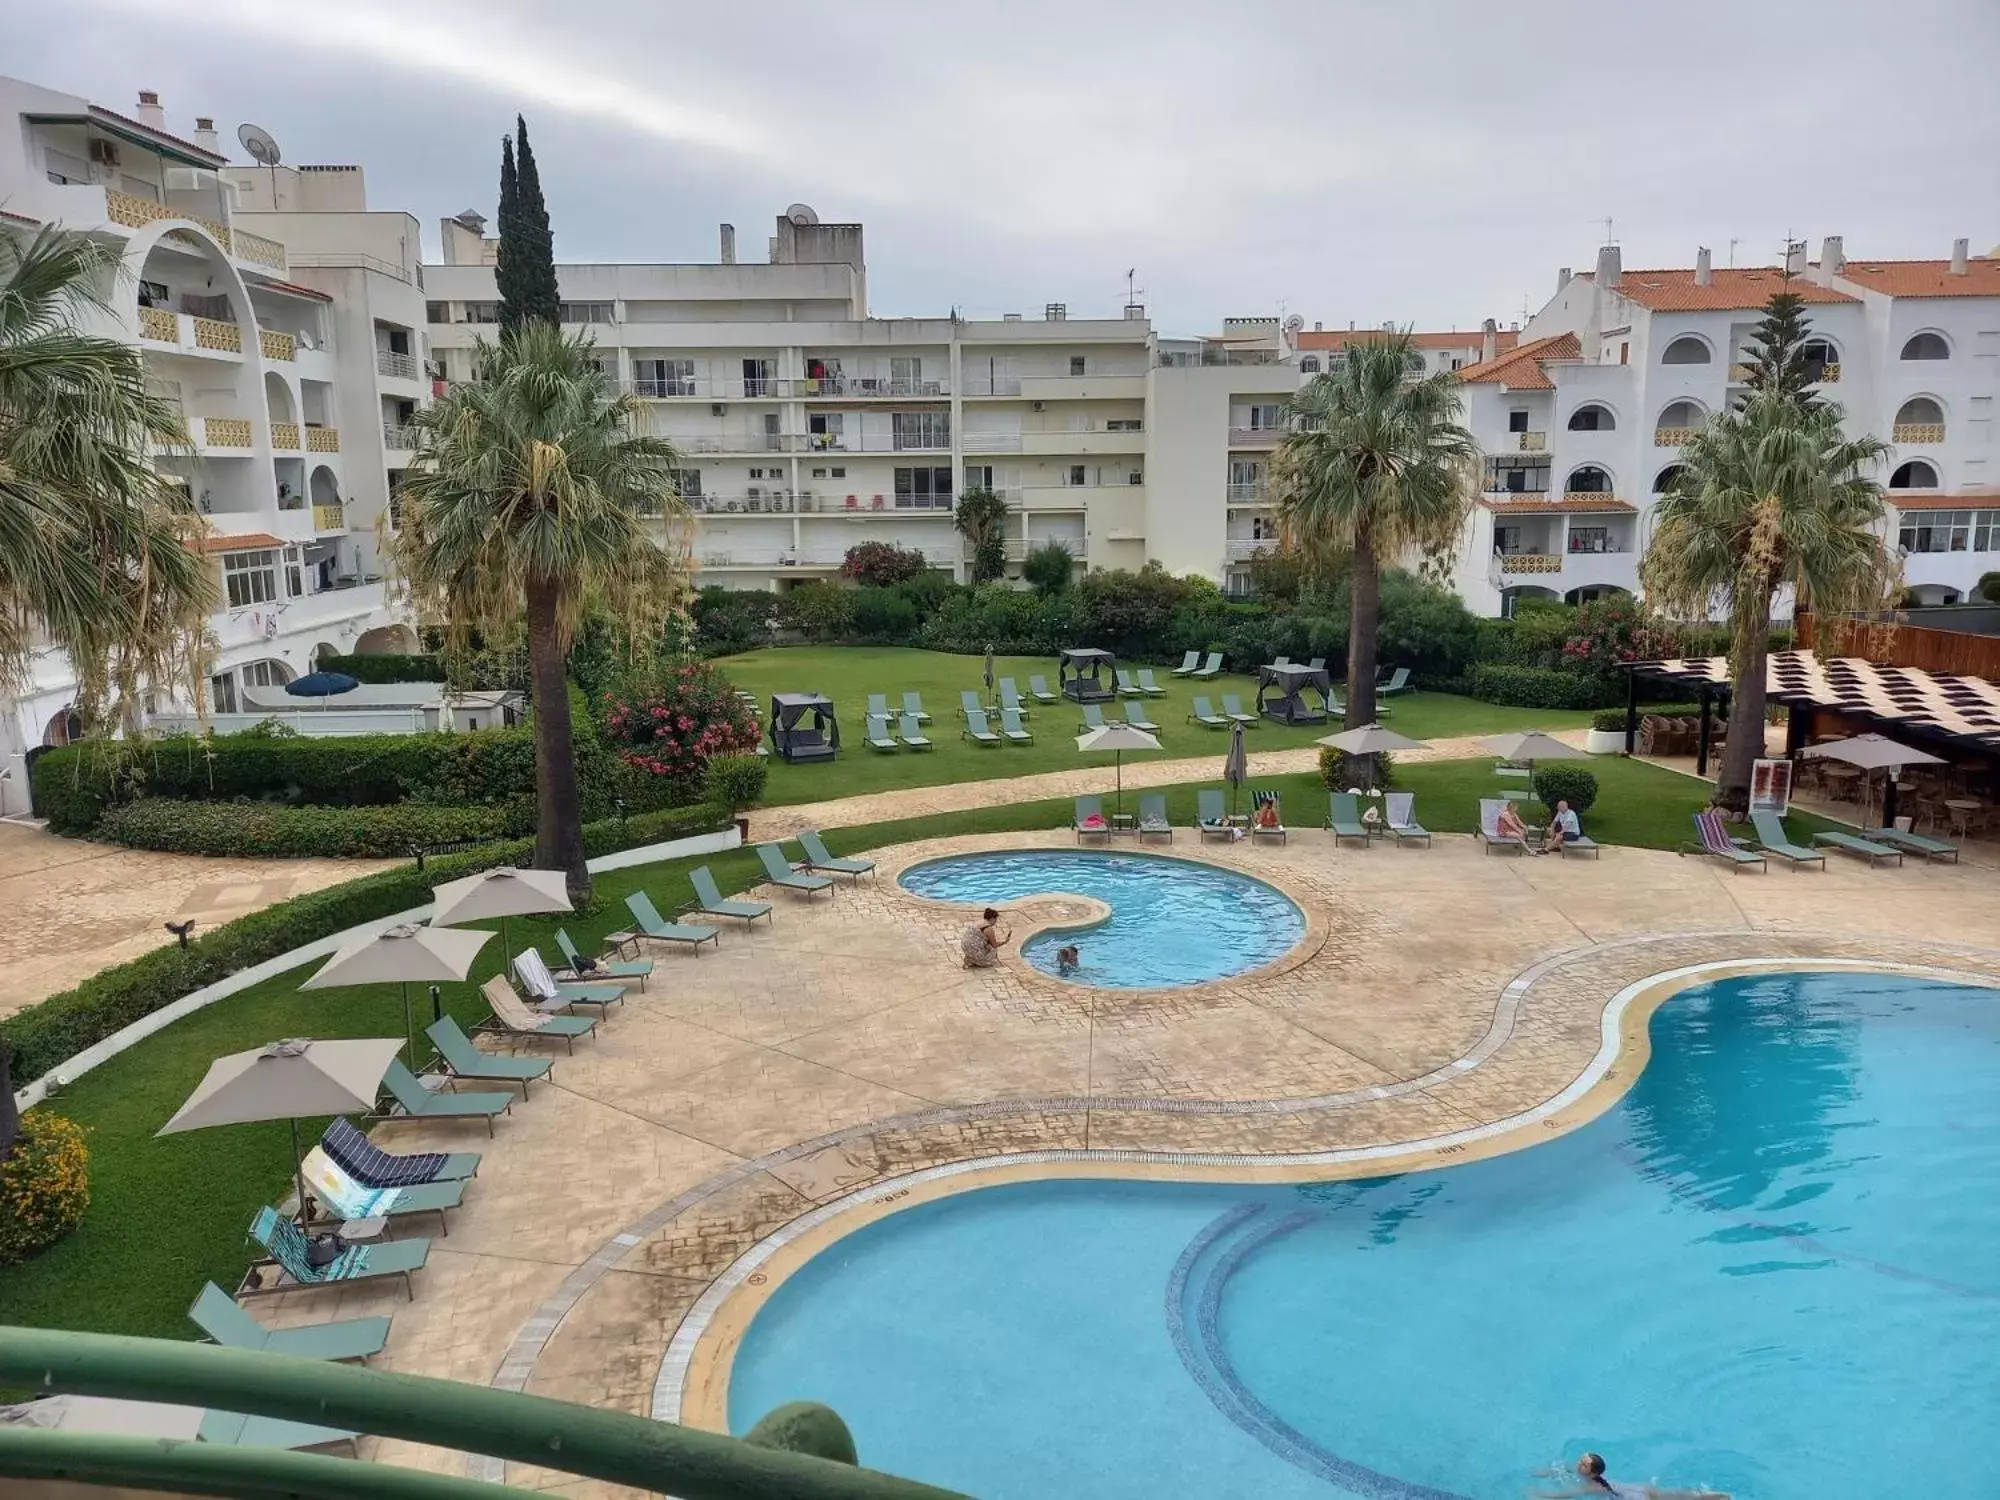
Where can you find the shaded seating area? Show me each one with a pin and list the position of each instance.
(1286, 690)
(1084, 674)
(803, 727)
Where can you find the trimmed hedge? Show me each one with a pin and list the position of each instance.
(44, 1035)
(1540, 687)
(387, 666)
(1565, 783)
(253, 830)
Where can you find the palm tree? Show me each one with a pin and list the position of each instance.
(980, 518)
(532, 499)
(1769, 494)
(95, 552)
(1375, 464)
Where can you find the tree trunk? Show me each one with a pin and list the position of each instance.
(1747, 652)
(1365, 590)
(558, 819)
(10, 1118)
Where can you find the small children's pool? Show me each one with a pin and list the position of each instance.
(1173, 921)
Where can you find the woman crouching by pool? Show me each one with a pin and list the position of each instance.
(980, 946)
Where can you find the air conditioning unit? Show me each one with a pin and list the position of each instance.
(104, 152)
(715, 409)
(1038, 406)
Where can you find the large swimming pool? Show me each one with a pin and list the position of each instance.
(1173, 921)
(1773, 1268)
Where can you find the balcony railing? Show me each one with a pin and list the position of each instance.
(329, 518)
(992, 385)
(1739, 373)
(1250, 494)
(991, 442)
(1917, 432)
(1533, 442)
(401, 366)
(1591, 497)
(224, 432)
(1674, 437)
(399, 437)
(322, 439)
(224, 338)
(159, 325)
(867, 385)
(1255, 437)
(137, 213)
(766, 503)
(745, 442)
(1829, 375)
(285, 436)
(277, 345)
(258, 250)
(1530, 562)
(1240, 549)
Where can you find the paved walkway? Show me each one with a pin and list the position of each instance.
(74, 907)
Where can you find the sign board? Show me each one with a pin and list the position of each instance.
(1771, 786)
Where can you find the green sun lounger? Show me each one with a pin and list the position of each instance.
(235, 1429)
(1013, 730)
(1868, 849)
(228, 1324)
(1088, 808)
(878, 736)
(420, 1103)
(779, 872)
(1399, 681)
(1772, 839)
(913, 706)
(1038, 689)
(710, 902)
(548, 993)
(1343, 816)
(1148, 686)
(878, 706)
(1010, 697)
(342, 1198)
(1232, 710)
(975, 728)
(1189, 661)
(969, 704)
(1135, 715)
(466, 1061)
(912, 731)
(1211, 668)
(1913, 843)
(1205, 715)
(515, 1017)
(656, 927)
(1093, 718)
(1211, 817)
(286, 1244)
(1153, 822)
(1126, 684)
(1399, 812)
(819, 857)
(617, 970)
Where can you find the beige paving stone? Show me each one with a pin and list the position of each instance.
(768, 1099)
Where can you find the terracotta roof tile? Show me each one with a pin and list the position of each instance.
(159, 134)
(249, 541)
(1344, 338)
(1926, 278)
(1738, 288)
(1549, 505)
(1521, 369)
(1934, 500)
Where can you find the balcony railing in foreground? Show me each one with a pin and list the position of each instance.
(800, 1452)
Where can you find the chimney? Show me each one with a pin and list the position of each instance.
(1704, 267)
(1832, 256)
(1795, 258)
(1488, 339)
(1610, 266)
(150, 112)
(1958, 252)
(729, 244)
(205, 136)
(1562, 279)
(1316, 325)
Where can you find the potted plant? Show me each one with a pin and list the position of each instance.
(1607, 733)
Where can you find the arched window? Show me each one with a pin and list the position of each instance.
(268, 673)
(1309, 364)
(1822, 361)
(65, 728)
(1918, 420)
(1664, 480)
(1914, 475)
(1592, 418)
(1678, 423)
(1588, 480)
(1926, 346)
(1686, 350)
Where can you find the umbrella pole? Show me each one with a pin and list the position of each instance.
(299, 1170)
(1118, 770)
(409, 1027)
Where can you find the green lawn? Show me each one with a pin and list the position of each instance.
(848, 674)
(168, 1213)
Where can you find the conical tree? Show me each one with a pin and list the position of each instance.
(507, 259)
(1777, 359)
(534, 297)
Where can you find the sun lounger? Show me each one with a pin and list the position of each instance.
(877, 735)
(466, 1061)
(1343, 816)
(551, 994)
(656, 927)
(1913, 843)
(1489, 827)
(1583, 843)
(1089, 820)
(1399, 811)
(819, 857)
(1189, 661)
(1135, 715)
(1259, 801)
(1772, 839)
(1281, 661)
(611, 970)
(235, 1429)
(1126, 683)
(969, 704)
(226, 1323)
(913, 706)
(1868, 849)
(343, 1198)
(1210, 668)
(419, 1103)
(1210, 820)
(1153, 817)
(976, 729)
(778, 871)
(288, 1249)
(1010, 697)
(1038, 689)
(913, 733)
(1205, 715)
(1317, 664)
(710, 903)
(1149, 687)
(367, 1162)
(1013, 730)
(513, 1016)
(1713, 839)
(1232, 710)
(1093, 718)
(878, 706)
(1399, 681)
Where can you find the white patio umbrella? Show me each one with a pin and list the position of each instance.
(503, 893)
(1117, 738)
(1875, 752)
(289, 1080)
(405, 954)
(1371, 740)
(1530, 745)
(1235, 765)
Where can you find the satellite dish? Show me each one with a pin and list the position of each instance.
(258, 142)
(802, 213)
(1295, 324)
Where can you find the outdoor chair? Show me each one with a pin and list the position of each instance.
(617, 971)
(513, 1015)
(1093, 718)
(975, 728)
(1868, 849)
(1189, 661)
(709, 901)
(1489, 827)
(1205, 715)
(549, 994)
(1153, 817)
(1913, 843)
(466, 1061)
(913, 707)
(1772, 839)
(1211, 821)
(1010, 698)
(343, 1198)
(227, 1324)
(969, 704)
(913, 735)
(1089, 820)
(1713, 840)
(1210, 668)
(1343, 816)
(1038, 689)
(367, 1162)
(878, 706)
(419, 1103)
(1583, 843)
(1232, 710)
(289, 1251)
(1135, 716)
(1281, 661)
(877, 734)
(1317, 664)
(1012, 729)
(819, 857)
(658, 929)
(1258, 802)
(780, 873)
(1127, 684)
(1149, 687)
(1399, 681)
(1399, 811)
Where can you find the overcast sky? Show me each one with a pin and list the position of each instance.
(1347, 161)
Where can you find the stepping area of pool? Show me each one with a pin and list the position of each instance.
(1436, 991)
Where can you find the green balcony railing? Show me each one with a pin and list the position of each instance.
(582, 1440)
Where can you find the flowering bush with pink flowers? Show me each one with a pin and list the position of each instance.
(675, 718)
(1608, 632)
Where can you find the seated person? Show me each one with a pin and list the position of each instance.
(1267, 815)
(979, 947)
(1508, 823)
(1562, 827)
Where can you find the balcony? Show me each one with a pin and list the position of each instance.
(743, 442)
(1739, 373)
(886, 504)
(851, 387)
(1062, 497)
(992, 385)
(1532, 442)
(329, 518)
(1514, 563)
(1828, 375)
(137, 213)
(159, 325)
(285, 436)
(223, 338)
(768, 502)
(398, 366)
(991, 442)
(277, 345)
(1917, 432)
(322, 439)
(1674, 437)
(399, 437)
(1109, 386)
(1258, 493)
(875, 442)
(1242, 549)
(1089, 440)
(1255, 437)
(781, 558)
(258, 250)
(220, 432)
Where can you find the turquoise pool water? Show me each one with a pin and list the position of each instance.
(1173, 921)
(1773, 1268)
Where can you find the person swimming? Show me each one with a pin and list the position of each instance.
(1590, 1473)
(1068, 960)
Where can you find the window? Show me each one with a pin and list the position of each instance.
(1588, 480)
(222, 693)
(482, 312)
(1263, 529)
(920, 429)
(1077, 473)
(757, 378)
(250, 578)
(1517, 419)
(437, 312)
(1927, 346)
(906, 373)
(1986, 531)
(1076, 364)
(1819, 357)
(1920, 411)
(266, 674)
(1664, 480)
(1264, 418)
(1135, 476)
(1938, 531)
(839, 472)
(1914, 475)
(1624, 353)
(1245, 473)
(1592, 419)
(1309, 365)
(1685, 350)
(1512, 477)
(1590, 539)
(295, 583)
(687, 483)
(584, 312)
(663, 377)
(1125, 424)
(819, 473)
(979, 476)
(923, 489)
(154, 294)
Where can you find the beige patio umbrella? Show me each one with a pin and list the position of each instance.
(405, 954)
(503, 893)
(1526, 746)
(1875, 752)
(1117, 738)
(1371, 740)
(290, 1080)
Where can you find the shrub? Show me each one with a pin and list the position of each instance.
(1606, 633)
(387, 666)
(881, 564)
(670, 721)
(1127, 613)
(735, 781)
(250, 830)
(1563, 782)
(1988, 588)
(1540, 687)
(730, 620)
(821, 612)
(1047, 569)
(884, 617)
(44, 1185)
(1339, 770)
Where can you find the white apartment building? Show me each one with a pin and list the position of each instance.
(1583, 420)
(266, 328)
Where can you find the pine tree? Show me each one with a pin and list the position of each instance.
(506, 276)
(536, 291)
(1777, 360)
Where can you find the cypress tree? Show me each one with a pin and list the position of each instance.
(1777, 359)
(506, 277)
(535, 292)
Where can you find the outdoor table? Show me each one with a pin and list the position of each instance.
(1124, 822)
(364, 1229)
